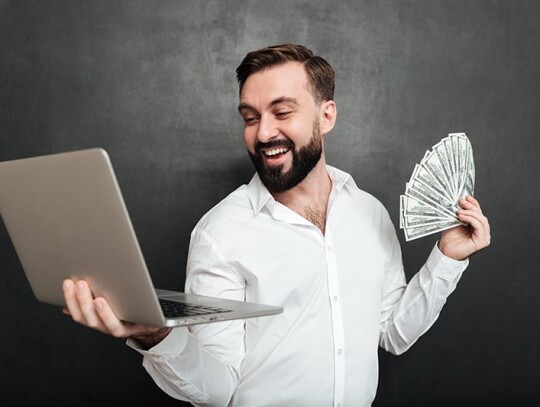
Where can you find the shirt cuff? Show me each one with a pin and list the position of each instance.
(172, 345)
(445, 267)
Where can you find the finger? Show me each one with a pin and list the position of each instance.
(472, 199)
(86, 305)
(470, 203)
(468, 214)
(470, 218)
(115, 326)
(111, 323)
(72, 304)
(480, 224)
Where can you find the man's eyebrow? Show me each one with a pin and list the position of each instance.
(245, 106)
(277, 101)
(283, 99)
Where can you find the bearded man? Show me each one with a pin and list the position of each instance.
(303, 236)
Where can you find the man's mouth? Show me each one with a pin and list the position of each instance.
(275, 152)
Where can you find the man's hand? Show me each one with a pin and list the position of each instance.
(462, 241)
(96, 313)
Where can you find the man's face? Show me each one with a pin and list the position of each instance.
(281, 125)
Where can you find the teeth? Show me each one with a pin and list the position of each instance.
(275, 151)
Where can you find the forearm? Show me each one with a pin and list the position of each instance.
(200, 365)
(182, 367)
(420, 303)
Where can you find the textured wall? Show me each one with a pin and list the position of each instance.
(153, 83)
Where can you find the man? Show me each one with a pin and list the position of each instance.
(303, 236)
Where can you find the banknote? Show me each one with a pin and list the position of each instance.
(421, 231)
(443, 176)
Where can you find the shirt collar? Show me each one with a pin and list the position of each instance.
(260, 196)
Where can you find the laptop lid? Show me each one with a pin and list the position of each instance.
(66, 217)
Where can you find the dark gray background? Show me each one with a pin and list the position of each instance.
(153, 83)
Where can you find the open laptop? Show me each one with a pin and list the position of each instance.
(66, 217)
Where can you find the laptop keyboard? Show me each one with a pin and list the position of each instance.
(174, 309)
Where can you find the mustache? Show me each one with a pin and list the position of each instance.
(274, 143)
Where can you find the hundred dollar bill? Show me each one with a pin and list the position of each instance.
(450, 156)
(414, 207)
(465, 155)
(412, 221)
(441, 152)
(432, 162)
(424, 175)
(468, 186)
(418, 190)
(462, 147)
(467, 172)
(413, 212)
(457, 160)
(444, 176)
(411, 206)
(470, 173)
(421, 231)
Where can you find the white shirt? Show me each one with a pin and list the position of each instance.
(343, 293)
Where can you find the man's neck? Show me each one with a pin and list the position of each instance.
(310, 198)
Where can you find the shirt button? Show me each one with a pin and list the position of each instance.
(329, 247)
(335, 298)
(340, 351)
(339, 405)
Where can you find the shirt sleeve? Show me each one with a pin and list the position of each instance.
(409, 310)
(201, 364)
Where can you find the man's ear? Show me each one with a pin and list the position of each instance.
(328, 116)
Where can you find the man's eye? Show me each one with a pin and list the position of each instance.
(249, 119)
(283, 115)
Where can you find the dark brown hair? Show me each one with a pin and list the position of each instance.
(320, 73)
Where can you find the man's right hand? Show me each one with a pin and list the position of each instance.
(96, 313)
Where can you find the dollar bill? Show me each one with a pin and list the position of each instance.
(432, 162)
(414, 213)
(424, 175)
(445, 174)
(441, 150)
(463, 158)
(421, 231)
(424, 193)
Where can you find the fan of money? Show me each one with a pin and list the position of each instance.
(443, 177)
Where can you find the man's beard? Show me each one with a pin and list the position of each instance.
(304, 160)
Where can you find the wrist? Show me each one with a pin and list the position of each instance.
(451, 255)
(149, 340)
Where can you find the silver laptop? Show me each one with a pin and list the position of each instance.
(67, 218)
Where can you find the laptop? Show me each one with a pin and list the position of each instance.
(66, 217)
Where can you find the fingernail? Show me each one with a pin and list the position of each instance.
(99, 305)
(80, 286)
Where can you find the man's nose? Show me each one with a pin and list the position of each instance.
(268, 129)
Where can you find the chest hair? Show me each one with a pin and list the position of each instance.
(316, 215)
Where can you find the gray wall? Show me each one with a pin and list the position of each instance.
(153, 83)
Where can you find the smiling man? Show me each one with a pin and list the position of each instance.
(283, 162)
(285, 120)
(303, 236)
